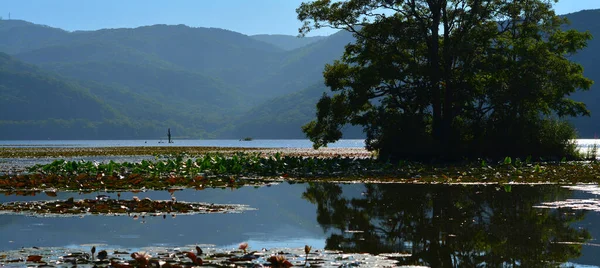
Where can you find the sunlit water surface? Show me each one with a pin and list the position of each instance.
(283, 143)
(278, 143)
(468, 224)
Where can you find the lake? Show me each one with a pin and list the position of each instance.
(430, 225)
(434, 224)
(300, 143)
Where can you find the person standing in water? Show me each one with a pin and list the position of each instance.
(169, 135)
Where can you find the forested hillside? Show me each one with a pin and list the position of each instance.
(34, 104)
(200, 82)
(589, 20)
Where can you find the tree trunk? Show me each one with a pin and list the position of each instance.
(435, 73)
(448, 88)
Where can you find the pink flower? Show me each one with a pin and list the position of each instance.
(141, 258)
(194, 258)
(243, 246)
(279, 261)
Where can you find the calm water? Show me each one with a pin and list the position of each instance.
(215, 143)
(585, 145)
(437, 224)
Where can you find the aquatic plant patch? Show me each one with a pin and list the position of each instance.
(242, 168)
(92, 182)
(189, 256)
(115, 207)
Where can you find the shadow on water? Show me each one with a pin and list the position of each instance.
(433, 225)
(451, 226)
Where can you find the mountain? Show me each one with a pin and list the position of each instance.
(200, 82)
(279, 117)
(588, 20)
(38, 104)
(34, 103)
(287, 42)
(260, 70)
(189, 91)
(19, 36)
(283, 116)
(24, 87)
(219, 53)
(303, 67)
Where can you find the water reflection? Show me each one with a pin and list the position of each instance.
(437, 225)
(450, 226)
(283, 219)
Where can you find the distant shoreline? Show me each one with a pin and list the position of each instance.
(53, 152)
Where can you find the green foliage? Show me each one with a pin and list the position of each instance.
(25, 91)
(474, 78)
(237, 169)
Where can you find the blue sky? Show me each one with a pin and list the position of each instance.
(244, 16)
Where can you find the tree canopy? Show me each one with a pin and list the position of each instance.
(450, 78)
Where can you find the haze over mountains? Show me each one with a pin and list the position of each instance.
(200, 82)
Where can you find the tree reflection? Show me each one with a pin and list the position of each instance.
(450, 226)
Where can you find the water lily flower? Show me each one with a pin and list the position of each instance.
(279, 261)
(194, 258)
(243, 246)
(307, 249)
(141, 258)
(135, 198)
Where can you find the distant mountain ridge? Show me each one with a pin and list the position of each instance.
(588, 20)
(200, 82)
(288, 42)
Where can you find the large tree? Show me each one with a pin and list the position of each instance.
(450, 78)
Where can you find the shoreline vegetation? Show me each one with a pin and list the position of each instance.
(210, 167)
